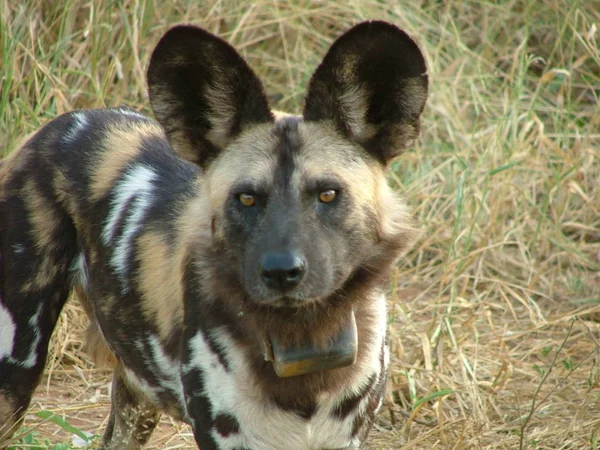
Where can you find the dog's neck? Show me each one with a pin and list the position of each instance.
(305, 357)
(247, 325)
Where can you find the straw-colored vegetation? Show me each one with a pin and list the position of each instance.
(495, 311)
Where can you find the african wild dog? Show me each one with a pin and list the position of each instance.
(234, 261)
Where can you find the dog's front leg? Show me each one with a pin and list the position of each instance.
(132, 418)
(199, 407)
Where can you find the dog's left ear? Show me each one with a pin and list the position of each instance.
(202, 92)
(372, 86)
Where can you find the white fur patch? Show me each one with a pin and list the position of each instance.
(132, 197)
(7, 333)
(19, 249)
(386, 356)
(140, 385)
(215, 374)
(32, 358)
(79, 270)
(137, 181)
(264, 425)
(170, 374)
(165, 370)
(130, 113)
(80, 124)
(220, 387)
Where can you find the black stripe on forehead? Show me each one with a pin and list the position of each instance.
(287, 148)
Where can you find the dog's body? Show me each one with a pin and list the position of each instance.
(191, 262)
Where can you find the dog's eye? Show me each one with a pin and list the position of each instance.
(247, 199)
(327, 196)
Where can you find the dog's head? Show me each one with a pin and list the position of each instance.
(298, 204)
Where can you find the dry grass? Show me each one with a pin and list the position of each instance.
(495, 313)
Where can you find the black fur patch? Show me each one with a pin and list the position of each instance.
(226, 424)
(305, 408)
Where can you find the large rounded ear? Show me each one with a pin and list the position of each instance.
(371, 87)
(202, 92)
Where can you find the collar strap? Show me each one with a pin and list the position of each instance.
(290, 361)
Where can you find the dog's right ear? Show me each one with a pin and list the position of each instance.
(203, 93)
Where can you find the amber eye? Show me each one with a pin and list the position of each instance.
(327, 196)
(247, 199)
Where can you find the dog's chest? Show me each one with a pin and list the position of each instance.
(216, 390)
(244, 417)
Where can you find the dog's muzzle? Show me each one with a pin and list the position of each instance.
(290, 361)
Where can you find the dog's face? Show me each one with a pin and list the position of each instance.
(295, 208)
(297, 204)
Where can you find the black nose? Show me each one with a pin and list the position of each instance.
(282, 270)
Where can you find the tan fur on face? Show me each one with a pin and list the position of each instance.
(194, 222)
(324, 153)
(250, 157)
(395, 219)
(123, 144)
(160, 282)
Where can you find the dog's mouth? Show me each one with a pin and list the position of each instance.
(304, 358)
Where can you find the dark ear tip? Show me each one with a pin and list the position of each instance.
(181, 34)
(377, 27)
(385, 36)
(172, 37)
(183, 39)
(185, 31)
